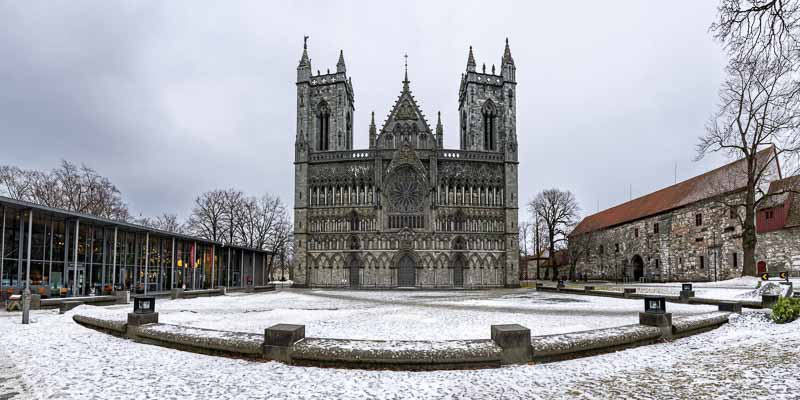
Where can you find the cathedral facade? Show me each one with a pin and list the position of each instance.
(406, 212)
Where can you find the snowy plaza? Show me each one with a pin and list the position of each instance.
(54, 357)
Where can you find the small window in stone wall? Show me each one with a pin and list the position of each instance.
(702, 262)
(616, 247)
(698, 219)
(636, 233)
(735, 260)
(600, 250)
(655, 228)
(733, 214)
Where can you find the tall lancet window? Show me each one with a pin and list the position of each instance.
(323, 126)
(489, 116)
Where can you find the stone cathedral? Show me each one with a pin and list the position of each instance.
(406, 212)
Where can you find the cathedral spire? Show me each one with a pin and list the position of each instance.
(405, 80)
(340, 65)
(507, 59)
(470, 61)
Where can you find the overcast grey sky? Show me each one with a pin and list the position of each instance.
(172, 98)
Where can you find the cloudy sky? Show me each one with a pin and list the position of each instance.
(170, 99)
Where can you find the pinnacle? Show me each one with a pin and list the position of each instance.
(340, 67)
(470, 60)
(507, 59)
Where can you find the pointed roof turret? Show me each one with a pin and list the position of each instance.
(439, 129)
(304, 60)
(340, 67)
(470, 61)
(507, 59)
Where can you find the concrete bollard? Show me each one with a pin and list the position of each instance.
(655, 314)
(588, 288)
(176, 293)
(769, 300)
(123, 296)
(26, 305)
(36, 301)
(539, 285)
(515, 340)
(249, 289)
(686, 292)
(223, 290)
(730, 306)
(279, 339)
(626, 292)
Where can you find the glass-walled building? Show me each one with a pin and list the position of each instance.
(74, 254)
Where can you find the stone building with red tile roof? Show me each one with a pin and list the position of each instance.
(682, 232)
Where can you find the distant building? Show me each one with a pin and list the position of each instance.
(406, 212)
(686, 232)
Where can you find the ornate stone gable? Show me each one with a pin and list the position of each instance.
(406, 122)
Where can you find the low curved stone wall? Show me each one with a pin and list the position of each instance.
(116, 327)
(580, 344)
(689, 325)
(287, 343)
(202, 340)
(387, 353)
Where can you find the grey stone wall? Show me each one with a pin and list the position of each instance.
(681, 250)
(780, 250)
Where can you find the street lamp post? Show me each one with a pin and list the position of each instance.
(26, 294)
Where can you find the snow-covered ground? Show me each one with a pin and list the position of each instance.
(402, 315)
(738, 289)
(749, 358)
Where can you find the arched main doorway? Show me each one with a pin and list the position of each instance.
(407, 274)
(638, 267)
(355, 276)
(458, 271)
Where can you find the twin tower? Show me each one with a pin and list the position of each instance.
(406, 212)
(486, 106)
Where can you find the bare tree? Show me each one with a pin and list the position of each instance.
(524, 231)
(70, 187)
(558, 210)
(758, 29)
(233, 202)
(577, 247)
(760, 100)
(169, 223)
(206, 220)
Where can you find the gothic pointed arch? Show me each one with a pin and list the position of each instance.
(323, 125)
(489, 112)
